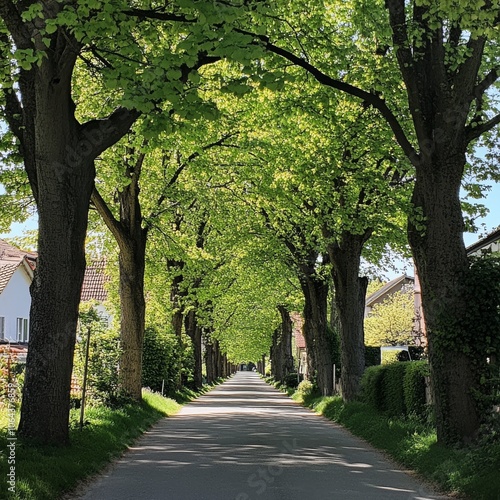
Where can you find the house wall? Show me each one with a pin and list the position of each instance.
(15, 302)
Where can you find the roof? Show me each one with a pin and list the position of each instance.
(400, 280)
(7, 270)
(94, 282)
(9, 252)
(483, 242)
(10, 259)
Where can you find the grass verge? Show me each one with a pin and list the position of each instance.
(472, 472)
(45, 472)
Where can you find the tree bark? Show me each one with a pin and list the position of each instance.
(131, 237)
(315, 290)
(193, 331)
(132, 319)
(285, 343)
(350, 293)
(59, 158)
(442, 264)
(210, 359)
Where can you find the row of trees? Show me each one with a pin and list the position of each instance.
(364, 104)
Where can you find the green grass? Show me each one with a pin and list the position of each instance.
(473, 472)
(45, 473)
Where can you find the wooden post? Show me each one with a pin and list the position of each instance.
(84, 383)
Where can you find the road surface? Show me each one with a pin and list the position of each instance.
(245, 440)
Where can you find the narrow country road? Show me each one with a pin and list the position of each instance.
(245, 440)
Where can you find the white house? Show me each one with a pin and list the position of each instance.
(16, 274)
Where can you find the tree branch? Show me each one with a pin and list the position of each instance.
(369, 98)
(14, 113)
(109, 219)
(486, 83)
(481, 128)
(406, 63)
(17, 28)
(102, 134)
(159, 14)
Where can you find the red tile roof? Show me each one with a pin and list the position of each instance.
(7, 269)
(94, 281)
(10, 259)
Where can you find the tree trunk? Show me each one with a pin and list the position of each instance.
(276, 356)
(132, 319)
(63, 187)
(350, 292)
(441, 262)
(315, 291)
(193, 331)
(55, 295)
(210, 360)
(285, 344)
(218, 360)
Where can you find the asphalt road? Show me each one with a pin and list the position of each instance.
(246, 441)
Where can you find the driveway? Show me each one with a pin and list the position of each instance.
(245, 440)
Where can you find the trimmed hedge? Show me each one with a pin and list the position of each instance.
(414, 388)
(397, 389)
(393, 389)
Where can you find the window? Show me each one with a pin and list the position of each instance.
(2, 328)
(22, 330)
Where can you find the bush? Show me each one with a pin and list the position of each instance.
(161, 362)
(372, 356)
(372, 384)
(104, 353)
(414, 388)
(291, 380)
(394, 398)
(11, 377)
(305, 388)
(397, 388)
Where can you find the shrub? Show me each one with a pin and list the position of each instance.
(11, 377)
(398, 388)
(305, 388)
(372, 384)
(292, 380)
(161, 362)
(394, 399)
(414, 388)
(104, 353)
(372, 356)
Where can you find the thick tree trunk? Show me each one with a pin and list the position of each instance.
(210, 360)
(441, 262)
(131, 238)
(55, 293)
(276, 355)
(285, 343)
(350, 292)
(64, 183)
(217, 359)
(193, 331)
(132, 319)
(319, 362)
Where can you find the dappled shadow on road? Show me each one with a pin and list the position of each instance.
(245, 440)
